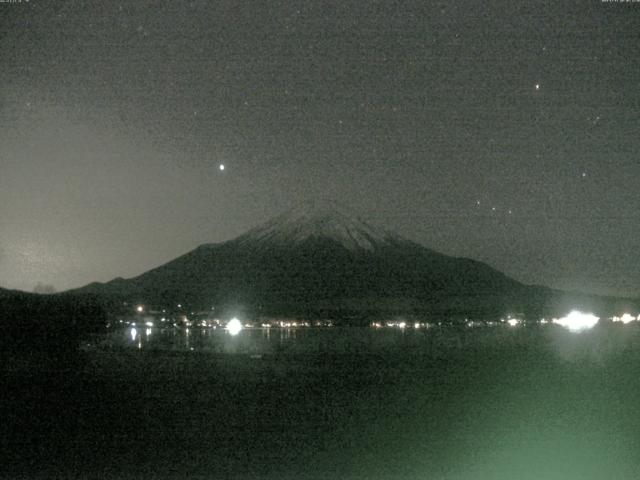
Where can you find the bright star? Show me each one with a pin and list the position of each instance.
(537, 86)
(221, 167)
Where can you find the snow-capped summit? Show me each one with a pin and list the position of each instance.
(320, 220)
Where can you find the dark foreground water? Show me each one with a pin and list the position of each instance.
(444, 403)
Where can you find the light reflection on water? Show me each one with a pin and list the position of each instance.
(255, 340)
(199, 339)
(358, 340)
(286, 340)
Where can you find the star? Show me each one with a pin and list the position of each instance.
(221, 167)
(584, 174)
(537, 86)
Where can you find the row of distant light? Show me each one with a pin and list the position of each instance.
(418, 325)
(234, 326)
(216, 323)
(140, 308)
(575, 321)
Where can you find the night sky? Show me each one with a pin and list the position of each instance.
(505, 131)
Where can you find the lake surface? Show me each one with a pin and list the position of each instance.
(305, 340)
(301, 340)
(488, 403)
(434, 340)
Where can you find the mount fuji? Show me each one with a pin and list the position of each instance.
(320, 259)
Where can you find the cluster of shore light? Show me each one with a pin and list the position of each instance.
(402, 324)
(234, 326)
(467, 322)
(575, 321)
(626, 318)
(418, 325)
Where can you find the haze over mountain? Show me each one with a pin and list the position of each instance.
(320, 259)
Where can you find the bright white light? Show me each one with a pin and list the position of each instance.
(149, 324)
(402, 324)
(221, 167)
(537, 86)
(147, 332)
(139, 309)
(513, 322)
(234, 326)
(577, 321)
(625, 318)
(134, 334)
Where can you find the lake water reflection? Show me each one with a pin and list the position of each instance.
(362, 340)
(305, 340)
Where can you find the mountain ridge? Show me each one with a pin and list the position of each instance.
(319, 260)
